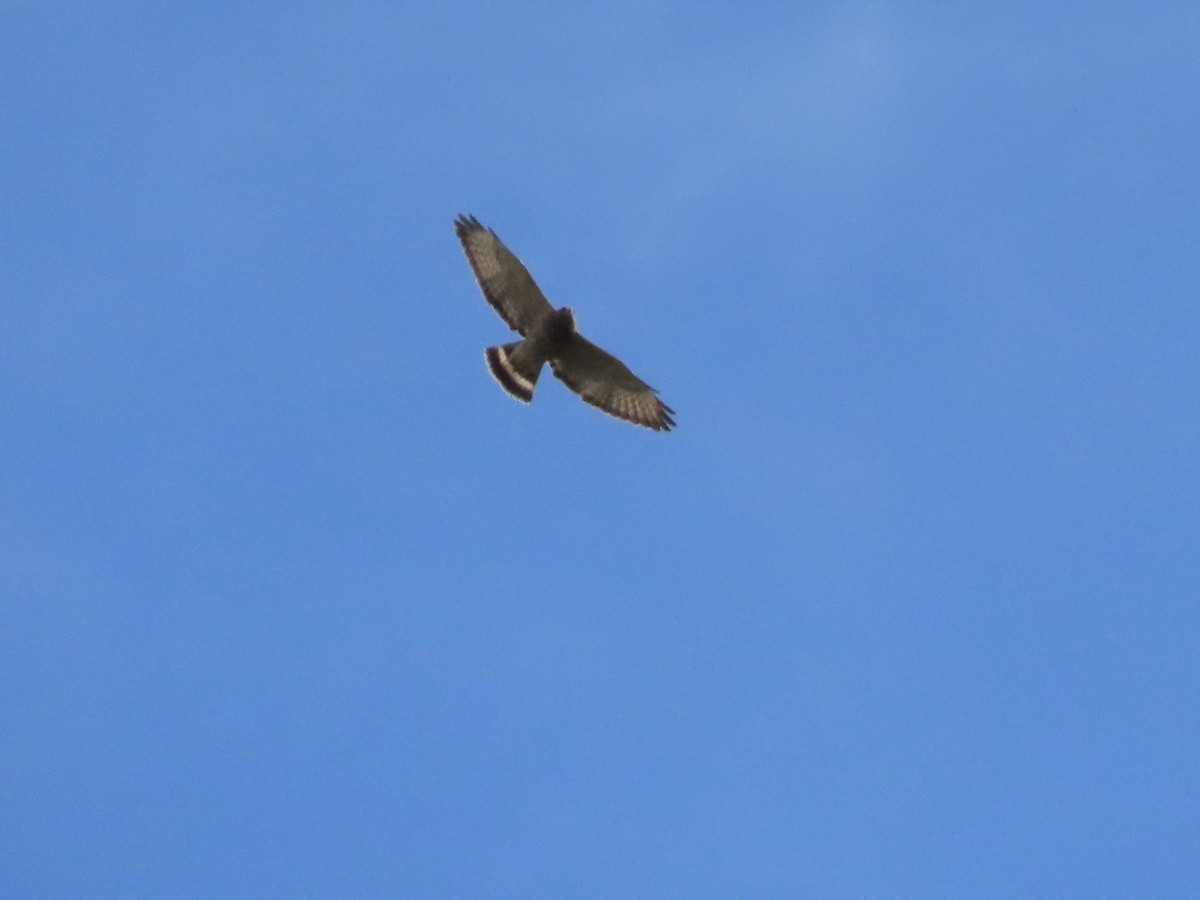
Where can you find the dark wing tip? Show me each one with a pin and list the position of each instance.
(464, 225)
(661, 418)
(665, 416)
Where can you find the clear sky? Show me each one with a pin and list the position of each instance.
(296, 602)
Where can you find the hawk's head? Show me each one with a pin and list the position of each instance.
(562, 324)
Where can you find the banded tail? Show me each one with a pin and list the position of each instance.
(515, 367)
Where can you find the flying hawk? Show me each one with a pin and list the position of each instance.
(549, 335)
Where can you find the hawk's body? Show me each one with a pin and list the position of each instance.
(549, 335)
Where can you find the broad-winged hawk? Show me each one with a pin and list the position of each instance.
(549, 335)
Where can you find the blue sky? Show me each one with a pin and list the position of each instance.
(296, 602)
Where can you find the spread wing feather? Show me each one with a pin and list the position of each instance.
(505, 282)
(605, 382)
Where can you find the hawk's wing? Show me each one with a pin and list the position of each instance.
(604, 381)
(505, 282)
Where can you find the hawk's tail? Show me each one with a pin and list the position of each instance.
(515, 368)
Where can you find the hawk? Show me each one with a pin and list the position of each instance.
(549, 335)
